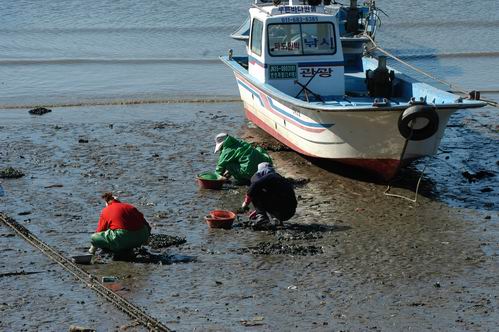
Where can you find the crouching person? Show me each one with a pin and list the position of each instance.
(121, 228)
(238, 158)
(271, 194)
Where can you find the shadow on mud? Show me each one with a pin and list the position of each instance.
(294, 240)
(146, 257)
(407, 177)
(314, 228)
(296, 229)
(143, 255)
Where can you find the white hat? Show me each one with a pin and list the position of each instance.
(219, 141)
(262, 166)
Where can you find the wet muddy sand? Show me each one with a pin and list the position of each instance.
(352, 259)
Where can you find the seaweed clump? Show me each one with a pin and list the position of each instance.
(273, 146)
(10, 173)
(158, 241)
(298, 182)
(39, 111)
(279, 248)
(480, 175)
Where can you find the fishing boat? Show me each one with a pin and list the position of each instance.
(308, 81)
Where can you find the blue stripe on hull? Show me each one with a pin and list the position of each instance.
(283, 112)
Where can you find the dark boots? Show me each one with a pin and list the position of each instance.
(262, 222)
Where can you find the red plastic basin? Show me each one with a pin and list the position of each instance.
(220, 219)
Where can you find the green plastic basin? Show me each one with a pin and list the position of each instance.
(209, 176)
(210, 180)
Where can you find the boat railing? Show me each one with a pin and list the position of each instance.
(262, 10)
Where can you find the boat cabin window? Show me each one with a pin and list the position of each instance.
(301, 39)
(256, 37)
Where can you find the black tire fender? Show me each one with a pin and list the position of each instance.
(424, 112)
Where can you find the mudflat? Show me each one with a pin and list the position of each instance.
(352, 259)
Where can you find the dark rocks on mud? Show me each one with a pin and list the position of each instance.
(288, 235)
(273, 146)
(279, 248)
(163, 125)
(39, 111)
(10, 173)
(480, 175)
(158, 241)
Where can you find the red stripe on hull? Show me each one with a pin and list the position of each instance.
(386, 168)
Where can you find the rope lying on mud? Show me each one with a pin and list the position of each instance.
(130, 309)
(461, 91)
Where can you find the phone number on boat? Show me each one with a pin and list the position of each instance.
(305, 19)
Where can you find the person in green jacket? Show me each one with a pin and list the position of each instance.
(238, 158)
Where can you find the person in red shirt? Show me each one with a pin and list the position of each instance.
(121, 227)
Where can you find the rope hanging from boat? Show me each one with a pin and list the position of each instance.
(90, 281)
(458, 89)
(389, 187)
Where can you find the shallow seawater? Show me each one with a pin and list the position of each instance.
(75, 52)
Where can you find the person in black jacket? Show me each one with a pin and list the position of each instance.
(271, 194)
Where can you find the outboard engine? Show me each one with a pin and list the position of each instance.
(380, 81)
(353, 16)
(314, 2)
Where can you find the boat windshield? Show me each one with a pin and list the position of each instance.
(301, 39)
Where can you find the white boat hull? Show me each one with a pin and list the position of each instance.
(365, 138)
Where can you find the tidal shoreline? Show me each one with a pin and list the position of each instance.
(386, 264)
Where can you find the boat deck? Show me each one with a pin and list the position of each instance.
(405, 89)
(355, 96)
